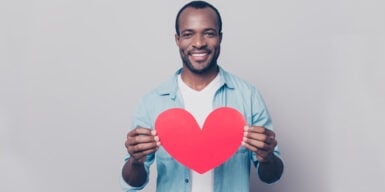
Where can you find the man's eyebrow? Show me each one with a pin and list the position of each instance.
(210, 29)
(207, 29)
(187, 30)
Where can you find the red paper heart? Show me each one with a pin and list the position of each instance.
(201, 151)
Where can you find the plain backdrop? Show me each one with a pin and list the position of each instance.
(72, 72)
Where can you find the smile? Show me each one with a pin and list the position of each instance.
(198, 54)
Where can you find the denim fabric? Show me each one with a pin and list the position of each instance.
(231, 176)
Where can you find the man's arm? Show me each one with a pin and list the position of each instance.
(271, 170)
(134, 173)
(262, 142)
(140, 143)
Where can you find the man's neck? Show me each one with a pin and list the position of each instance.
(198, 81)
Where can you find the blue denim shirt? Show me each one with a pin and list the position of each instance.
(233, 175)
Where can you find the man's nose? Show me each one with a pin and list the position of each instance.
(199, 42)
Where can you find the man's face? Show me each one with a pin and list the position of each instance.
(199, 39)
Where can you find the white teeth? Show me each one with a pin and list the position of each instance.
(199, 54)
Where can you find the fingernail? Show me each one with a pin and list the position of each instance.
(244, 134)
(158, 143)
(156, 138)
(246, 127)
(243, 143)
(153, 132)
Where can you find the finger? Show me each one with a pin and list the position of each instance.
(132, 149)
(259, 129)
(255, 129)
(256, 136)
(253, 148)
(142, 154)
(261, 154)
(249, 147)
(260, 137)
(270, 145)
(145, 150)
(260, 133)
(139, 131)
(256, 143)
(139, 139)
(271, 141)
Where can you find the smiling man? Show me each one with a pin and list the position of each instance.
(198, 38)
(199, 87)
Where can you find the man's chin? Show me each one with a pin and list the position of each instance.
(200, 69)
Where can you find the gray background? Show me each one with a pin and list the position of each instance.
(71, 73)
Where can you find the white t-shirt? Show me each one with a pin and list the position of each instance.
(200, 105)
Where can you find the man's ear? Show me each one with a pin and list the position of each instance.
(177, 37)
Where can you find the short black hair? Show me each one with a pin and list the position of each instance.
(198, 5)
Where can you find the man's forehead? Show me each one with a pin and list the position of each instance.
(202, 15)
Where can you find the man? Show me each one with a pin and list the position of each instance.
(199, 87)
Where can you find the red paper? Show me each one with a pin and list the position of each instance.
(181, 137)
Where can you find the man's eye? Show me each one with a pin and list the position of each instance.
(210, 34)
(186, 35)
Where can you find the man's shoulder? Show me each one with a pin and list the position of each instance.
(234, 81)
(164, 88)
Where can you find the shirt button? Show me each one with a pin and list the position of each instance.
(186, 180)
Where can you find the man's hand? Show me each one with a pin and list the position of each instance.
(261, 141)
(141, 142)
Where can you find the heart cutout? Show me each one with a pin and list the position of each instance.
(201, 150)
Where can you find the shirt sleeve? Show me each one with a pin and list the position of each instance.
(261, 117)
(141, 118)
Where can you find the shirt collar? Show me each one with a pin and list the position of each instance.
(171, 86)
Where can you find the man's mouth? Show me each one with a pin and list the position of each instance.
(199, 56)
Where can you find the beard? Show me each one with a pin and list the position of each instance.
(211, 63)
